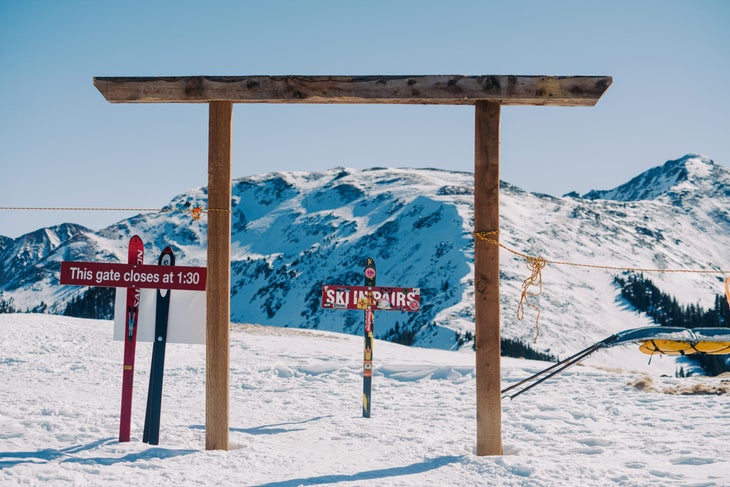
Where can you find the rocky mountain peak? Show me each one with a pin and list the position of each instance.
(689, 175)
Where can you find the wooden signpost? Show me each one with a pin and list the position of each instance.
(134, 277)
(370, 298)
(486, 93)
(104, 274)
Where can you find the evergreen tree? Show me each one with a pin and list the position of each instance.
(95, 303)
(6, 306)
(664, 310)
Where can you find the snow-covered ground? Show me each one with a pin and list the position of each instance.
(295, 416)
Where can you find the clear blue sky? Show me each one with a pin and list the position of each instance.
(62, 144)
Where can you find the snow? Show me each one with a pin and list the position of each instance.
(295, 416)
(293, 232)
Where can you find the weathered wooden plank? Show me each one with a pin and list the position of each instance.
(218, 292)
(488, 93)
(421, 89)
(486, 279)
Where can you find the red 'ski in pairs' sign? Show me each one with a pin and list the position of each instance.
(102, 274)
(374, 297)
(370, 298)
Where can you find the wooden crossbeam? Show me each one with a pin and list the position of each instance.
(487, 93)
(409, 90)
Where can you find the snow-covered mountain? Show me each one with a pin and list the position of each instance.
(691, 176)
(21, 256)
(292, 232)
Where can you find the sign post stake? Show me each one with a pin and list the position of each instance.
(367, 364)
(370, 298)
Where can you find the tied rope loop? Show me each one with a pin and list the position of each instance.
(489, 236)
(535, 265)
(195, 213)
(486, 237)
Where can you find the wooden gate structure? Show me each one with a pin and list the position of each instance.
(486, 92)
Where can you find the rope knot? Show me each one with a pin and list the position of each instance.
(535, 265)
(489, 236)
(197, 212)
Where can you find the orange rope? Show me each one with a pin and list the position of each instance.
(537, 264)
(485, 236)
(196, 212)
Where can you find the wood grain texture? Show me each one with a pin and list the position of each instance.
(488, 93)
(218, 292)
(421, 89)
(486, 280)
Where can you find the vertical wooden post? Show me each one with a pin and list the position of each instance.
(218, 296)
(486, 279)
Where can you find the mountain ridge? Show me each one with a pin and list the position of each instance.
(692, 172)
(295, 231)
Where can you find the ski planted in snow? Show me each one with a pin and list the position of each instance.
(135, 256)
(367, 365)
(154, 392)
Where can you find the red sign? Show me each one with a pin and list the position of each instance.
(102, 274)
(375, 298)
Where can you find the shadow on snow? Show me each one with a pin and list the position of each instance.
(66, 455)
(270, 429)
(414, 468)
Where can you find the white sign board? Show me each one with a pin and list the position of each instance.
(186, 322)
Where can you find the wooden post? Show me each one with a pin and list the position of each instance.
(486, 279)
(487, 92)
(219, 276)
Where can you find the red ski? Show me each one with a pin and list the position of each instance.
(135, 256)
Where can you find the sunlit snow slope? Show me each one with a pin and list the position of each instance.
(295, 231)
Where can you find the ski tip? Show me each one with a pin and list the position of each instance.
(167, 257)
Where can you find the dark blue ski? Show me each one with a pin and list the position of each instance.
(154, 392)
